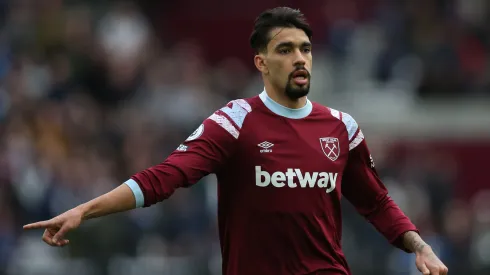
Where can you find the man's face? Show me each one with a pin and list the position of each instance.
(288, 61)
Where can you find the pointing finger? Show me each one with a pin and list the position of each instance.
(37, 225)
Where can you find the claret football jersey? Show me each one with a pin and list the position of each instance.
(281, 176)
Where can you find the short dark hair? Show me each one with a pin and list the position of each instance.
(280, 17)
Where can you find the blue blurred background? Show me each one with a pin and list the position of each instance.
(94, 91)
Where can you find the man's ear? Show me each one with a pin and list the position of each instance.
(261, 63)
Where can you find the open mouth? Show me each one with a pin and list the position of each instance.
(300, 77)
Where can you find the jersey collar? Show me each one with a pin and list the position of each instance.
(278, 109)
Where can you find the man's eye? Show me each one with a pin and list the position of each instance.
(284, 51)
(306, 50)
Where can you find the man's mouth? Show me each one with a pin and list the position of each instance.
(300, 77)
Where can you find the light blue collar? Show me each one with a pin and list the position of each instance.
(278, 109)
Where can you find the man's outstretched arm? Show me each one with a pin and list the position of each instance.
(182, 168)
(202, 153)
(118, 200)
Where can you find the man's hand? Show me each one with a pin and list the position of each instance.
(426, 260)
(118, 200)
(57, 227)
(428, 263)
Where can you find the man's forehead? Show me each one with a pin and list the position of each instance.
(288, 35)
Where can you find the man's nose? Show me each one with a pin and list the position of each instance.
(299, 59)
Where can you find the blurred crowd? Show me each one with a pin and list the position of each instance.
(92, 92)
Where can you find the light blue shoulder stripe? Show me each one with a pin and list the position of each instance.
(278, 109)
(237, 113)
(137, 192)
(350, 124)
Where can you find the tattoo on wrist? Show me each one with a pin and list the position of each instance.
(413, 241)
(418, 245)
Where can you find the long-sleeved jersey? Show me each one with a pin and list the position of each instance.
(281, 175)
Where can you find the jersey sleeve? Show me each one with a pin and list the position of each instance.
(362, 186)
(204, 152)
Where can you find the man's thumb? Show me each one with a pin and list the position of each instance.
(61, 233)
(423, 268)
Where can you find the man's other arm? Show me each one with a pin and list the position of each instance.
(364, 189)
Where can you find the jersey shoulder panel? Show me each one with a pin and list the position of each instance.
(232, 116)
(354, 132)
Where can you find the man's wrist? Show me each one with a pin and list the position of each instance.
(413, 242)
(85, 210)
(426, 248)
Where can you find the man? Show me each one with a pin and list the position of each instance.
(282, 163)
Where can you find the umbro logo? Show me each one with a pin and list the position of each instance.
(265, 147)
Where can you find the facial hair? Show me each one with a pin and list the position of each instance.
(298, 91)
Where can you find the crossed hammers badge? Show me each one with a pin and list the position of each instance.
(330, 147)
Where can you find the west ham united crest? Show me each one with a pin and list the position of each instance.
(330, 147)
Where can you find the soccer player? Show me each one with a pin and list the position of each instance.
(282, 163)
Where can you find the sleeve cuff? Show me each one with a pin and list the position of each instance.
(138, 193)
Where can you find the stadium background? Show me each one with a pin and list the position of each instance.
(93, 91)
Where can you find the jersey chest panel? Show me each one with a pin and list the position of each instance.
(292, 165)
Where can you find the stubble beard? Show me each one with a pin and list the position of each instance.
(294, 91)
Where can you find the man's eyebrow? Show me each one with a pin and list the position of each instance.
(284, 44)
(291, 44)
(306, 44)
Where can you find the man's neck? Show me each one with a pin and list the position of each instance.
(281, 98)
